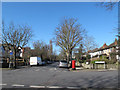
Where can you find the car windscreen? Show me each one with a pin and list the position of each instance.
(63, 61)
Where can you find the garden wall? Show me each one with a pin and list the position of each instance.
(100, 66)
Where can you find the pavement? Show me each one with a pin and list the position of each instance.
(51, 76)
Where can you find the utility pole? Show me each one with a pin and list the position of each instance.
(51, 49)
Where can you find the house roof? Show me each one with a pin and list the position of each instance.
(93, 50)
(105, 46)
(89, 51)
(27, 48)
(114, 43)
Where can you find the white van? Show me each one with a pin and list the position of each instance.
(35, 61)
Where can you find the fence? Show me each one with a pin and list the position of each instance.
(100, 66)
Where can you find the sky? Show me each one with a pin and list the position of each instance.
(44, 17)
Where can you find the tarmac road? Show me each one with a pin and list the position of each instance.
(51, 76)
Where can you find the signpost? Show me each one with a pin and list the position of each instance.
(10, 63)
(11, 53)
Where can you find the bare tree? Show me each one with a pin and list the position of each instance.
(26, 54)
(45, 52)
(78, 52)
(62, 55)
(15, 36)
(109, 5)
(50, 53)
(38, 45)
(41, 50)
(89, 43)
(68, 35)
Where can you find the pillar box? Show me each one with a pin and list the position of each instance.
(73, 64)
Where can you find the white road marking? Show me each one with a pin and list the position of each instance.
(51, 69)
(18, 85)
(34, 86)
(54, 87)
(37, 86)
(73, 87)
(3, 84)
(55, 68)
(37, 70)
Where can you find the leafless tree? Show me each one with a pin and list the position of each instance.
(26, 54)
(108, 5)
(89, 43)
(68, 35)
(41, 49)
(78, 52)
(62, 55)
(50, 50)
(38, 45)
(15, 36)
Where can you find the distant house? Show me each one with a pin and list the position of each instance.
(2, 51)
(105, 50)
(22, 51)
(5, 52)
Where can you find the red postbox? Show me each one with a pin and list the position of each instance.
(73, 64)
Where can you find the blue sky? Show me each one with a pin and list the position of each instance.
(44, 18)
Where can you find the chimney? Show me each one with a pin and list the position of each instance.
(115, 41)
(104, 45)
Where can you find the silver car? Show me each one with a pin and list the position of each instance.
(63, 64)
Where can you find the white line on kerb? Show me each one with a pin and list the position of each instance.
(54, 87)
(18, 85)
(3, 84)
(37, 86)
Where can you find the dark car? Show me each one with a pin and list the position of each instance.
(49, 62)
(43, 63)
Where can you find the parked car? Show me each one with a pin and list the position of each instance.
(63, 64)
(49, 62)
(43, 63)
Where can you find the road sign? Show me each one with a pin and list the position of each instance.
(11, 53)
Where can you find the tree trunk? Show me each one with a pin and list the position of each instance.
(15, 57)
(68, 57)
